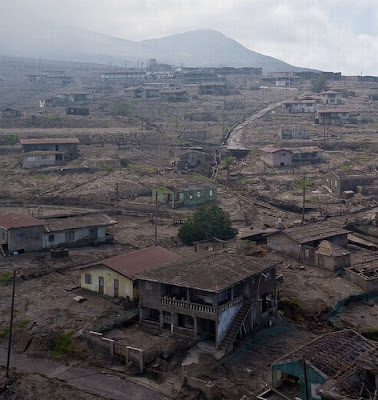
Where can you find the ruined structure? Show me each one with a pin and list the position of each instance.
(341, 181)
(216, 295)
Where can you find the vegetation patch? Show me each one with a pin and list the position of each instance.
(371, 333)
(5, 277)
(10, 139)
(4, 332)
(309, 181)
(140, 168)
(22, 323)
(40, 177)
(64, 345)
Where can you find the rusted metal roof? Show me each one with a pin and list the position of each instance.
(137, 261)
(84, 221)
(208, 272)
(332, 352)
(326, 248)
(17, 220)
(274, 149)
(316, 231)
(50, 141)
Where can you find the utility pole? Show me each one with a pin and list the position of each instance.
(324, 124)
(11, 325)
(304, 198)
(224, 103)
(156, 216)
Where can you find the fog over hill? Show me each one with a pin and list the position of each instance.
(195, 48)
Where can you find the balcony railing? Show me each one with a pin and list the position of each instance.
(200, 307)
(230, 304)
(190, 306)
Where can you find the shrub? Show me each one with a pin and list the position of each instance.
(208, 222)
(64, 345)
(5, 277)
(124, 163)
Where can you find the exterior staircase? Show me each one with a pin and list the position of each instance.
(235, 327)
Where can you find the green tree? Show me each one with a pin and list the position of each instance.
(208, 222)
(227, 163)
(319, 84)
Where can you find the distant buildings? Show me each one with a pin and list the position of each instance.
(276, 157)
(11, 113)
(186, 196)
(330, 97)
(340, 181)
(123, 76)
(23, 233)
(48, 152)
(332, 116)
(301, 242)
(300, 106)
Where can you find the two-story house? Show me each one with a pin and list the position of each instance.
(213, 296)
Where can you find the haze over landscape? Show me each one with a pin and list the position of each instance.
(337, 36)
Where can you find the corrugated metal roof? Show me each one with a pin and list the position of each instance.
(17, 220)
(332, 352)
(311, 232)
(273, 149)
(326, 248)
(61, 224)
(137, 261)
(50, 141)
(208, 272)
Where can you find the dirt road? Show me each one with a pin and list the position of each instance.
(235, 139)
(89, 380)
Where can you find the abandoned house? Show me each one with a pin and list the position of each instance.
(77, 111)
(212, 245)
(194, 135)
(302, 241)
(80, 97)
(142, 92)
(300, 106)
(185, 197)
(281, 79)
(365, 273)
(130, 75)
(276, 157)
(292, 133)
(192, 158)
(11, 113)
(212, 88)
(34, 78)
(307, 154)
(330, 97)
(20, 233)
(305, 372)
(201, 116)
(176, 95)
(308, 96)
(48, 152)
(53, 102)
(23, 233)
(213, 295)
(78, 231)
(332, 116)
(332, 256)
(117, 276)
(340, 181)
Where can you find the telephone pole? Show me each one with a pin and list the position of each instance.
(11, 325)
(156, 216)
(304, 198)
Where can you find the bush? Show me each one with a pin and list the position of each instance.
(209, 222)
(319, 84)
(5, 277)
(4, 332)
(122, 109)
(124, 163)
(64, 345)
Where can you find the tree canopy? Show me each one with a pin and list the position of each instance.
(208, 222)
(319, 84)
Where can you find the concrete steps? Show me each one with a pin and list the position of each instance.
(235, 327)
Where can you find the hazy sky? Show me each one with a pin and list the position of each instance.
(336, 35)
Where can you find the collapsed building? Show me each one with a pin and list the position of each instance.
(332, 366)
(339, 182)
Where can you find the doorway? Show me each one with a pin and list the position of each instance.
(101, 284)
(116, 287)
